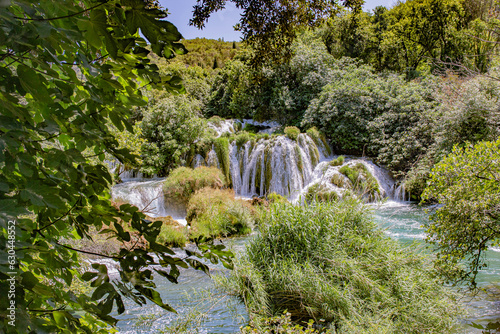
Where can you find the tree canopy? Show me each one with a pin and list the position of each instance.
(70, 69)
(271, 26)
(466, 184)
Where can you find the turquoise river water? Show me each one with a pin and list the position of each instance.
(200, 310)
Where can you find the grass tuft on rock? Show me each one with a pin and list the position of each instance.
(328, 261)
(292, 132)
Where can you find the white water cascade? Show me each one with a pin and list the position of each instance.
(259, 167)
(148, 196)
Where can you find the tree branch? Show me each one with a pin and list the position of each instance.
(63, 17)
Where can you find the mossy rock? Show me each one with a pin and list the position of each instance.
(363, 182)
(339, 161)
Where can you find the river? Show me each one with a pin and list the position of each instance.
(192, 297)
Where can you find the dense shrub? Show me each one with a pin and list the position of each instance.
(183, 182)
(215, 212)
(328, 262)
(170, 125)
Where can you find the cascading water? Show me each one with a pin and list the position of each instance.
(148, 197)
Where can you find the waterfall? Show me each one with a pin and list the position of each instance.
(400, 193)
(148, 197)
(261, 166)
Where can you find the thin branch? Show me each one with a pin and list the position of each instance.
(63, 17)
(58, 219)
(90, 253)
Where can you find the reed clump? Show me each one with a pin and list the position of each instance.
(217, 213)
(328, 262)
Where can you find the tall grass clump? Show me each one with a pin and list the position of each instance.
(183, 182)
(216, 212)
(172, 236)
(329, 262)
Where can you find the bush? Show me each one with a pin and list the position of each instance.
(183, 182)
(170, 125)
(215, 212)
(328, 261)
(292, 132)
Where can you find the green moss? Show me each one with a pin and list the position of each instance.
(222, 151)
(258, 173)
(237, 126)
(337, 162)
(313, 153)
(292, 132)
(216, 120)
(298, 157)
(319, 139)
(268, 172)
(338, 180)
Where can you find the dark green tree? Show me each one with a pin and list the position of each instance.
(467, 185)
(68, 70)
(270, 26)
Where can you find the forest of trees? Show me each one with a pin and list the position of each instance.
(414, 87)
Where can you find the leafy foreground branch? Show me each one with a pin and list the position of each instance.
(70, 72)
(329, 263)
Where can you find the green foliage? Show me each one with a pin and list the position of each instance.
(282, 325)
(68, 70)
(270, 28)
(183, 182)
(328, 261)
(203, 51)
(242, 138)
(215, 213)
(170, 126)
(276, 198)
(466, 184)
(292, 132)
(230, 96)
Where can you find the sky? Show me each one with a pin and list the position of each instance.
(220, 24)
